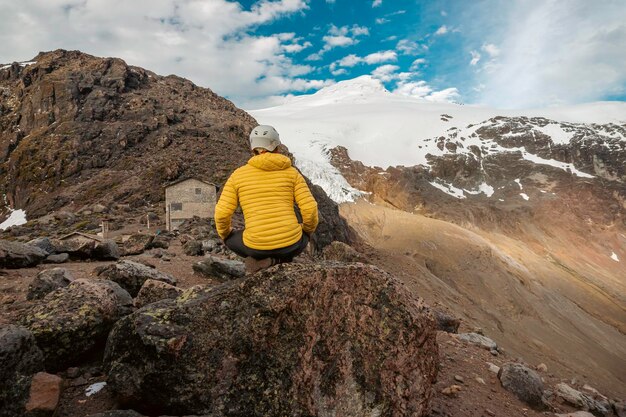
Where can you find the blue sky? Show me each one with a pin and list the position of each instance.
(507, 54)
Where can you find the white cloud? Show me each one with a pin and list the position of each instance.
(385, 72)
(340, 71)
(407, 47)
(475, 57)
(382, 20)
(558, 52)
(377, 3)
(374, 58)
(210, 42)
(491, 49)
(442, 30)
(421, 89)
(340, 37)
(419, 62)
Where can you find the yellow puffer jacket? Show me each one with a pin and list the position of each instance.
(266, 188)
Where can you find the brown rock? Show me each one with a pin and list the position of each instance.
(136, 244)
(45, 392)
(153, 290)
(339, 251)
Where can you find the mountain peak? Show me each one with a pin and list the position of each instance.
(362, 86)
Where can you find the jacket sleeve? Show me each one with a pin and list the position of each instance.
(225, 208)
(306, 203)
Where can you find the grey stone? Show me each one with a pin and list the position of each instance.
(220, 269)
(44, 244)
(209, 245)
(131, 275)
(106, 250)
(581, 400)
(446, 322)
(522, 381)
(19, 255)
(193, 248)
(57, 259)
(47, 281)
(479, 340)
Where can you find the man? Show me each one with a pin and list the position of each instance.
(266, 189)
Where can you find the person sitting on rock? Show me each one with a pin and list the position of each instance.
(266, 189)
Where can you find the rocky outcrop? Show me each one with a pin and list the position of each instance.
(295, 339)
(47, 281)
(131, 275)
(20, 358)
(71, 322)
(136, 244)
(19, 255)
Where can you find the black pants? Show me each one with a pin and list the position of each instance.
(234, 242)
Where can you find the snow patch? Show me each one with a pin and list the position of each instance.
(94, 388)
(449, 189)
(17, 218)
(556, 133)
(519, 183)
(482, 188)
(614, 256)
(22, 64)
(557, 164)
(524, 196)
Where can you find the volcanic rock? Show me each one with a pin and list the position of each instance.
(19, 255)
(47, 281)
(522, 381)
(57, 259)
(193, 248)
(20, 358)
(137, 244)
(296, 339)
(70, 322)
(446, 322)
(76, 248)
(581, 400)
(106, 250)
(340, 251)
(44, 244)
(479, 340)
(153, 290)
(219, 269)
(131, 275)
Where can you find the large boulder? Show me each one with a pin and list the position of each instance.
(20, 358)
(153, 291)
(219, 269)
(131, 275)
(47, 281)
(598, 407)
(137, 244)
(76, 248)
(106, 250)
(44, 244)
(293, 340)
(71, 322)
(19, 255)
(522, 381)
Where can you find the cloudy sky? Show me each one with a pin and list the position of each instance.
(507, 53)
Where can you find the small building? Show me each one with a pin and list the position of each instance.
(81, 237)
(187, 198)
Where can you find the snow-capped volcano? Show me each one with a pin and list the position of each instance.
(384, 129)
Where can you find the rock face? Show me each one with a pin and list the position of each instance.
(132, 275)
(219, 269)
(522, 381)
(70, 322)
(292, 340)
(47, 281)
(19, 255)
(20, 358)
(45, 392)
(153, 291)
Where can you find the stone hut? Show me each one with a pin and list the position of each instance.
(187, 198)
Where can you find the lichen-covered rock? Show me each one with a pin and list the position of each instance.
(47, 281)
(219, 269)
(131, 275)
(106, 250)
(153, 290)
(136, 244)
(293, 340)
(72, 321)
(19, 255)
(522, 381)
(20, 358)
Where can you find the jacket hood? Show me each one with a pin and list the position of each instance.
(270, 161)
